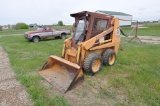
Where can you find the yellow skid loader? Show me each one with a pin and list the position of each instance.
(95, 42)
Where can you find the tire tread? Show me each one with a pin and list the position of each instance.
(88, 62)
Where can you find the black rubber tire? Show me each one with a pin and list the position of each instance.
(63, 36)
(108, 56)
(88, 62)
(35, 39)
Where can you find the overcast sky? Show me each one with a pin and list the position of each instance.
(51, 11)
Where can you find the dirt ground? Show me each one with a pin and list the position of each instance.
(91, 92)
(12, 93)
(147, 39)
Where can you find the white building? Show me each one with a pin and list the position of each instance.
(125, 19)
(7, 26)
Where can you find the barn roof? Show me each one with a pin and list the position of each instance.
(113, 13)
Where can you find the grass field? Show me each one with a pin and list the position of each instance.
(133, 80)
(152, 30)
(22, 31)
(63, 27)
(15, 31)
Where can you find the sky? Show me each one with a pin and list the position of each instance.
(48, 12)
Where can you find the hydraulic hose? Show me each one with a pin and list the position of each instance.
(123, 33)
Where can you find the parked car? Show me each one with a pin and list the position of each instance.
(46, 32)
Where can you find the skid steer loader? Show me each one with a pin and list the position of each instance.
(95, 42)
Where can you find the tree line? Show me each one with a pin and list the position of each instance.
(22, 25)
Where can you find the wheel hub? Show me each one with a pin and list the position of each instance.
(111, 59)
(96, 65)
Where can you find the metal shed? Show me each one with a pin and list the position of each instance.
(119, 15)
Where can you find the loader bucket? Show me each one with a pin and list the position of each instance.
(62, 74)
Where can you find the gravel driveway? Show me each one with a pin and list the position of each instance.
(12, 93)
(147, 39)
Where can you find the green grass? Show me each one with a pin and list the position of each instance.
(22, 31)
(26, 59)
(135, 75)
(15, 31)
(63, 27)
(152, 30)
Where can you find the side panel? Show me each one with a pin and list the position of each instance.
(116, 35)
(56, 33)
(47, 33)
(122, 22)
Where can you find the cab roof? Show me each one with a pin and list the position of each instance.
(84, 13)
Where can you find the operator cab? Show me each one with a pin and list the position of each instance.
(89, 24)
(80, 33)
